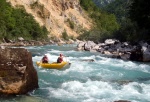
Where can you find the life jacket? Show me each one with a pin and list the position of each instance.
(45, 60)
(59, 60)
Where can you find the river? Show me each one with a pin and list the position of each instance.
(104, 80)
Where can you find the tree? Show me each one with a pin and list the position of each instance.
(104, 23)
(140, 13)
(15, 22)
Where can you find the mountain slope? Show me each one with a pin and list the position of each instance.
(57, 15)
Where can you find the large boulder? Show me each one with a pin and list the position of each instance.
(17, 74)
(89, 45)
(146, 54)
(80, 46)
(111, 41)
(136, 54)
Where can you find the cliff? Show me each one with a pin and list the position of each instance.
(57, 15)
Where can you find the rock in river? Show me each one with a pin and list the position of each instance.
(17, 74)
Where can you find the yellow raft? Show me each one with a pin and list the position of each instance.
(53, 65)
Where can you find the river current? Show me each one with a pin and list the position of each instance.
(104, 80)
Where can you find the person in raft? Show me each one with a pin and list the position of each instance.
(60, 58)
(45, 59)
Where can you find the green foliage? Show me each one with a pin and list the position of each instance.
(134, 28)
(36, 4)
(16, 23)
(140, 13)
(133, 16)
(103, 20)
(108, 22)
(88, 5)
(95, 35)
(119, 8)
(127, 31)
(72, 37)
(102, 3)
(71, 24)
(105, 23)
(65, 35)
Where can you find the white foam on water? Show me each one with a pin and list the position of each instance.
(32, 47)
(93, 89)
(36, 58)
(104, 61)
(128, 65)
(44, 82)
(144, 68)
(87, 57)
(54, 51)
(51, 58)
(97, 91)
(80, 69)
(136, 90)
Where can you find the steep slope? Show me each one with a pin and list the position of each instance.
(57, 15)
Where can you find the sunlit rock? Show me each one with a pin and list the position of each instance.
(17, 74)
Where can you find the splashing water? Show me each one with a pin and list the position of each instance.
(104, 80)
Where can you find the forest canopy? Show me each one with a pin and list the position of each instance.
(105, 23)
(129, 20)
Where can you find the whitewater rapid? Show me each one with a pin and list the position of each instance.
(103, 80)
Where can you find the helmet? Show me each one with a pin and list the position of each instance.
(45, 55)
(60, 54)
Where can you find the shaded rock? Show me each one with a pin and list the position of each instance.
(136, 54)
(6, 40)
(17, 74)
(88, 60)
(125, 56)
(146, 52)
(122, 101)
(116, 49)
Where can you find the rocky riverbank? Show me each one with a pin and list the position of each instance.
(116, 49)
(110, 47)
(22, 42)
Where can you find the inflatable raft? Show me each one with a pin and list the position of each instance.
(53, 65)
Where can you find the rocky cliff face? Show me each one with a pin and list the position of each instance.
(57, 15)
(17, 74)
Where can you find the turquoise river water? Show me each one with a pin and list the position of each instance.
(104, 80)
